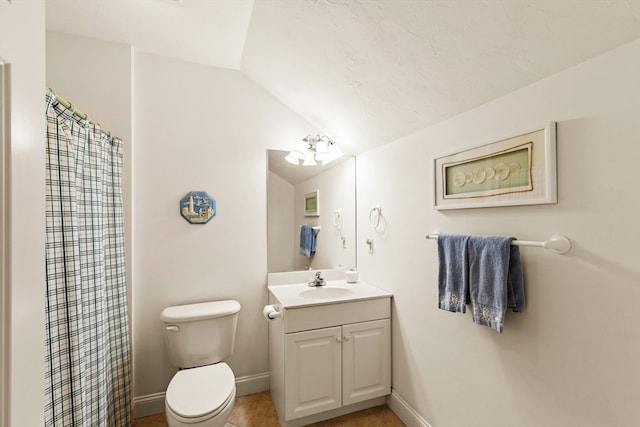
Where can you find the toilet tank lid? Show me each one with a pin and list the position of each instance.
(199, 311)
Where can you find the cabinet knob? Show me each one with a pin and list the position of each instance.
(338, 339)
(347, 337)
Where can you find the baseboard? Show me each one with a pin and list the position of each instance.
(152, 404)
(252, 384)
(405, 412)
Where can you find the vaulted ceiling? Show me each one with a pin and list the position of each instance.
(366, 72)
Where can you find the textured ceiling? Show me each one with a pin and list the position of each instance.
(367, 72)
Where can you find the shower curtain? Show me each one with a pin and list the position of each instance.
(88, 373)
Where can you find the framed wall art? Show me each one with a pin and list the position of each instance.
(197, 207)
(520, 170)
(312, 203)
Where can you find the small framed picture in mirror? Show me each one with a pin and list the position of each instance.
(312, 203)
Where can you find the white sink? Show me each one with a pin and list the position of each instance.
(324, 292)
(300, 294)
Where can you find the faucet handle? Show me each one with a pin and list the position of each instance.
(318, 280)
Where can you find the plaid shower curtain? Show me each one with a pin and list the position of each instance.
(88, 373)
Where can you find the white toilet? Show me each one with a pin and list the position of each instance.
(198, 337)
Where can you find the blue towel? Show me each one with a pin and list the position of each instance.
(307, 240)
(495, 279)
(515, 293)
(453, 273)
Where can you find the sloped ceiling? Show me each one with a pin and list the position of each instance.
(209, 32)
(366, 72)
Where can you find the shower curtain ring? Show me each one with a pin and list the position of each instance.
(52, 98)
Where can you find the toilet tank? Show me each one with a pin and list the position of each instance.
(200, 334)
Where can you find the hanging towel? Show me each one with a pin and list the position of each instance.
(453, 273)
(495, 279)
(515, 292)
(307, 240)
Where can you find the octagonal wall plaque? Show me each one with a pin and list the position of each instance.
(197, 207)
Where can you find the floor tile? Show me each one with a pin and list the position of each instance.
(257, 410)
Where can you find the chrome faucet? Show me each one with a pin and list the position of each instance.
(318, 280)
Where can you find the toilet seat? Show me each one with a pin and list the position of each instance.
(201, 393)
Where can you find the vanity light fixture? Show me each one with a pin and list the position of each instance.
(313, 150)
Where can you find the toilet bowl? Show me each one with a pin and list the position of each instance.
(199, 337)
(201, 397)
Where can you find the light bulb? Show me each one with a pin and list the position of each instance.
(308, 160)
(334, 153)
(322, 150)
(293, 157)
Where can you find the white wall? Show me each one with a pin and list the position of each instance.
(281, 250)
(336, 188)
(22, 45)
(207, 129)
(570, 359)
(95, 76)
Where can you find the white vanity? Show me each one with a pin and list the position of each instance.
(330, 350)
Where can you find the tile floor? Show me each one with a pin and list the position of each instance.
(257, 410)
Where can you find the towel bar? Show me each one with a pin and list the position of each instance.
(557, 243)
(315, 227)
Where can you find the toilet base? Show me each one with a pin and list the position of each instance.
(217, 420)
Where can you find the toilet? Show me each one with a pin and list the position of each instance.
(198, 338)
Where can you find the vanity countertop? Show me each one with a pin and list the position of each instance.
(335, 291)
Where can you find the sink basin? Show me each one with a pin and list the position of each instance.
(325, 293)
(335, 291)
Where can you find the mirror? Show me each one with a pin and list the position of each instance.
(323, 197)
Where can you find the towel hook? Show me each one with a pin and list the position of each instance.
(337, 217)
(374, 216)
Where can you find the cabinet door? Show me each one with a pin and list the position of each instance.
(313, 366)
(366, 360)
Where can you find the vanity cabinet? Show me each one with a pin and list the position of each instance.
(313, 372)
(329, 360)
(366, 361)
(334, 367)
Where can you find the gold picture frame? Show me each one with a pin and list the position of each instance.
(519, 170)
